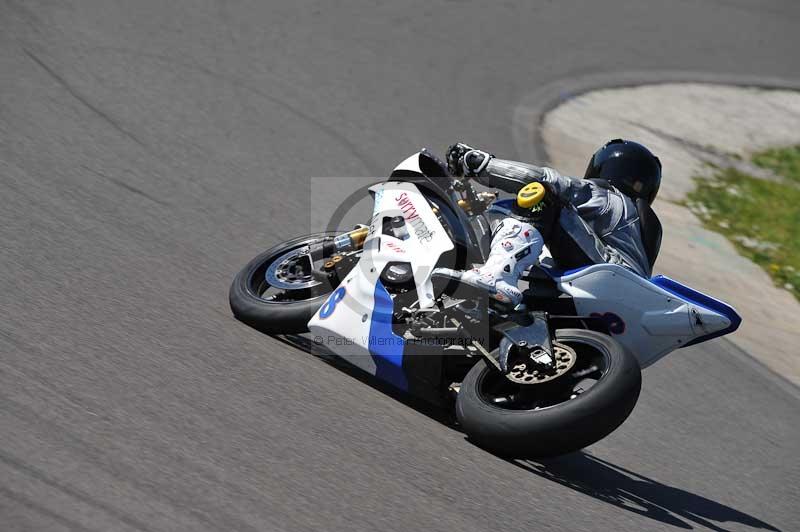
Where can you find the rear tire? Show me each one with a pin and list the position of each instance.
(272, 317)
(564, 427)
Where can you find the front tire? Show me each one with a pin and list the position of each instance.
(562, 427)
(288, 315)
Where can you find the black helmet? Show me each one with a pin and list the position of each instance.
(629, 167)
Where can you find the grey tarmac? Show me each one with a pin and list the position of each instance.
(149, 149)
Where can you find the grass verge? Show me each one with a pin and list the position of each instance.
(760, 217)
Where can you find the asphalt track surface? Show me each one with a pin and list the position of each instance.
(149, 149)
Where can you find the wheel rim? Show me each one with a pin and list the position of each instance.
(286, 277)
(590, 367)
(524, 372)
(292, 271)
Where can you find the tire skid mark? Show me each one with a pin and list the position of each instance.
(43, 383)
(214, 519)
(87, 499)
(41, 510)
(31, 19)
(82, 99)
(126, 186)
(352, 148)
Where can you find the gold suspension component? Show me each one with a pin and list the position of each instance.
(357, 236)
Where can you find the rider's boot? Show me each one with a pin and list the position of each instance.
(516, 245)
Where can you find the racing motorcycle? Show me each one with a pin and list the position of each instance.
(554, 374)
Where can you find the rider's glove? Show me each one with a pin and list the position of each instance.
(463, 160)
(474, 162)
(455, 153)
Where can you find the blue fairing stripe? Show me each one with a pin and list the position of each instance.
(503, 206)
(701, 300)
(386, 347)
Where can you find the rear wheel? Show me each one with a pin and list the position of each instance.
(558, 416)
(276, 292)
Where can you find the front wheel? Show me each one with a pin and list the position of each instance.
(573, 411)
(276, 292)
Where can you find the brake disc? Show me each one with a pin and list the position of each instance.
(292, 271)
(526, 371)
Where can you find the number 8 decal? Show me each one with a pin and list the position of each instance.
(330, 305)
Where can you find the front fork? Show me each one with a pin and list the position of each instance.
(351, 241)
(337, 254)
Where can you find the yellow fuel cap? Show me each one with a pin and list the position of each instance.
(530, 195)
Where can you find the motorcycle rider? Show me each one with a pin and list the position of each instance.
(603, 214)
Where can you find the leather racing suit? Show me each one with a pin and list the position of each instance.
(602, 221)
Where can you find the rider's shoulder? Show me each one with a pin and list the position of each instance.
(605, 188)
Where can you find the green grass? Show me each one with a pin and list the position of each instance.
(782, 161)
(760, 217)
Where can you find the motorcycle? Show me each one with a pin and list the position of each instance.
(552, 375)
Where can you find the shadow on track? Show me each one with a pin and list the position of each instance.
(580, 471)
(440, 413)
(636, 493)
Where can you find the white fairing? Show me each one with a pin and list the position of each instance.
(345, 323)
(411, 164)
(651, 317)
(644, 317)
